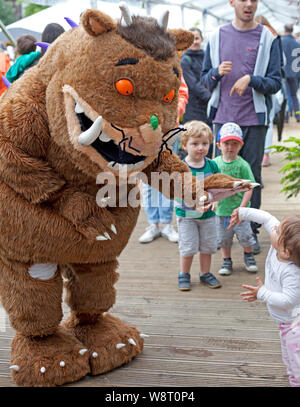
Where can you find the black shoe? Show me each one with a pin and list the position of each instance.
(256, 246)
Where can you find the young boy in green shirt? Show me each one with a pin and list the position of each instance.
(197, 232)
(230, 163)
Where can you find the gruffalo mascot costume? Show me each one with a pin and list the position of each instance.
(103, 98)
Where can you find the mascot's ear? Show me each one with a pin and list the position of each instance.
(95, 22)
(184, 39)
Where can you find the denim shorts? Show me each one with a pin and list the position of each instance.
(197, 235)
(242, 231)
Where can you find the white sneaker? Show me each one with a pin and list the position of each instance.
(170, 233)
(152, 232)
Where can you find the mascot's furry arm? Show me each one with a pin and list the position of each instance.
(25, 169)
(23, 143)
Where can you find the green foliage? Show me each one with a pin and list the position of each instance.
(7, 15)
(31, 8)
(291, 170)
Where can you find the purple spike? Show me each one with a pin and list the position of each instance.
(6, 81)
(43, 45)
(71, 22)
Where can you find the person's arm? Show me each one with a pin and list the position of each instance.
(193, 83)
(255, 215)
(271, 82)
(183, 98)
(287, 298)
(209, 76)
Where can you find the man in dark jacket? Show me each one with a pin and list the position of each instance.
(291, 49)
(199, 95)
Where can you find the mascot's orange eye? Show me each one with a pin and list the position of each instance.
(169, 96)
(124, 87)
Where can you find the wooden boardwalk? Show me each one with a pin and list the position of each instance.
(203, 337)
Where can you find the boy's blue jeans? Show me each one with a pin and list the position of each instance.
(158, 208)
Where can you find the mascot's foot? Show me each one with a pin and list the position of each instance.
(110, 342)
(49, 360)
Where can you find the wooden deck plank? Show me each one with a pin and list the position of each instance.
(199, 338)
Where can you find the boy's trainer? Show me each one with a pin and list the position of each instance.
(226, 268)
(250, 263)
(184, 281)
(152, 232)
(169, 233)
(210, 280)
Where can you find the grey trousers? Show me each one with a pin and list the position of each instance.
(252, 152)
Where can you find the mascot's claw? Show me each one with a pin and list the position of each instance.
(132, 341)
(124, 343)
(245, 183)
(49, 360)
(16, 368)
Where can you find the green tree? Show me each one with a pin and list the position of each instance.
(291, 170)
(6, 12)
(31, 8)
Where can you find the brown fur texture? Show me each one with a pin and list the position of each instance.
(48, 189)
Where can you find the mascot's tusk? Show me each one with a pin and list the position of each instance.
(71, 23)
(127, 20)
(90, 135)
(16, 368)
(78, 109)
(163, 20)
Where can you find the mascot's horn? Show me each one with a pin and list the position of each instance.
(127, 20)
(71, 22)
(43, 45)
(6, 81)
(163, 20)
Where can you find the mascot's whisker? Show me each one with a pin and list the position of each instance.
(132, 148)
(124, 139)
(165, 141)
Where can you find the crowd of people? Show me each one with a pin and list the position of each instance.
(234, 88)
(15, 61)
(227, 104)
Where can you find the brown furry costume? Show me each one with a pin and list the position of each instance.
(48, 171)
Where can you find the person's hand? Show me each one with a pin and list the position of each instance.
(234, 218)
(205, 207)
(225, 68)
(214, 206)
(240, 85)
(251, 295)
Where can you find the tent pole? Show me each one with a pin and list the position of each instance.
(7, 34)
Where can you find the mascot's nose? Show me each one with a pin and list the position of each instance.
(154, 121)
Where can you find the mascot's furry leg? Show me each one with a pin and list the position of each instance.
(42, 352)
(90, 293)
